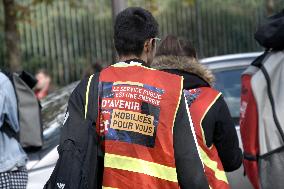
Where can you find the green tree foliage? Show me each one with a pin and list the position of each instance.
(64, 38)
(66, 35)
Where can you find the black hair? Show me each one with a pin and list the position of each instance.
(132, 28)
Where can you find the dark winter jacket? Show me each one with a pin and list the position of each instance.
(218, 125)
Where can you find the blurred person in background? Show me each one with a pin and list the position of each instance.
(13, 172)
(93, 68)
(42, 87)
(216, 134)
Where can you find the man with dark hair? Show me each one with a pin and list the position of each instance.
(142, 123)
(132, 28)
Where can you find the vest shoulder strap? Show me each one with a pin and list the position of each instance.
(91, 108)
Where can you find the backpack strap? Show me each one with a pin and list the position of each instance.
(260, 59)
(6, 128)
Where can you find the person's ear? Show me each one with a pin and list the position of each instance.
(147, 46)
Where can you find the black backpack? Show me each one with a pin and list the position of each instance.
(271, 34)
(29, 111)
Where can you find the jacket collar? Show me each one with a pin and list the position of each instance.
(190, 80)
(137, 61)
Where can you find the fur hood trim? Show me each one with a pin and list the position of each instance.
(190, 65)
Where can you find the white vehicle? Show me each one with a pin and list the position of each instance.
(227, 70)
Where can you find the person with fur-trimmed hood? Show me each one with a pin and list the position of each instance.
(214, 127)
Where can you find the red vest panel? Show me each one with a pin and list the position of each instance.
(138, 106)
(200, 100)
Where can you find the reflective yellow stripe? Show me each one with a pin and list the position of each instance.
(192, 129)
(123, 65)
(219, 174)
(128, 83)
(140, 166)
(105, 187)
(87, 95)
(179, 99)
(208, 108)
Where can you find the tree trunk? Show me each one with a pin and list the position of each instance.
(12, 37)
(270, 7)
(117, 6)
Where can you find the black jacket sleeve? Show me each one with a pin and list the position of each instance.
(78, 149)
(73, 129)
(220, 129)
(75, 113)
(190, 171)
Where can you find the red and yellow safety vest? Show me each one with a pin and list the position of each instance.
(137, 112)
(201, 100)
